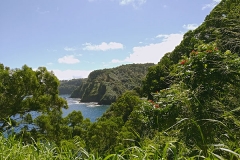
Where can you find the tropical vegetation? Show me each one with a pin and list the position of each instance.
(68, 86)
(106, 85)
(186, 108)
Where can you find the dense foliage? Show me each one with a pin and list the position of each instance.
(68, 86)
(192, 110)
(221, 26)
(24, 90)
(105, 86)
(198, 114)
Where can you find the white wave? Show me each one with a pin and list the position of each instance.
(93, 105)
(73, 101)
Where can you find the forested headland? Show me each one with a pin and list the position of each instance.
(106, 85)
(68, 86)
(187, 106)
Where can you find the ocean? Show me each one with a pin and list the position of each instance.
(89, 110)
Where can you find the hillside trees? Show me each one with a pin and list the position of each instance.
(105, 86)
(221, 26)
(198, 110)
(212, 78)
(107, 134)
(202, 103)
(31, 107)
(223, 23)
(23, 89)
(68, 86)
(157, 77)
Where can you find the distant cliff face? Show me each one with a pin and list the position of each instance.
(104, 86)
(68, 86)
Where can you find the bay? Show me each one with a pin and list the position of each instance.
(89, 110)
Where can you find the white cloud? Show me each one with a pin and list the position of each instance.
(70, 74)
(190, 26)
(69, 49)
(103, 46)
(133, 2)
(211, 5)
(153, 52)
(125, 2)
(69, 59)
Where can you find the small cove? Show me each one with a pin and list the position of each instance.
(89, 110)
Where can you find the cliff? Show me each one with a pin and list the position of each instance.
(105, 86)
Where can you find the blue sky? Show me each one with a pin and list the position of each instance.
(73, 38)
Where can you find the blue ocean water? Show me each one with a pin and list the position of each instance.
(89, 110)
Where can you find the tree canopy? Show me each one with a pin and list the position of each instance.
(24, 90)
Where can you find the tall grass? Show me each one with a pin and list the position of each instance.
(13, 149)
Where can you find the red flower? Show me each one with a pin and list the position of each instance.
(151, 101)
(156, 105)
(183, 62)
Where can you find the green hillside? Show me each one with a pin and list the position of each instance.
(68, 86)
(221, 26)
(104, 86)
